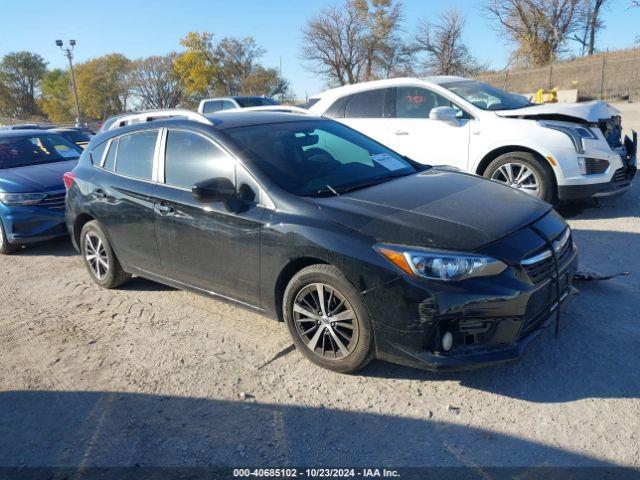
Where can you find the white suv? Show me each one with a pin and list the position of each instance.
(560, 151)
(211, 105)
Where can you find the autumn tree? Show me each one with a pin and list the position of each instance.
(20, 76)
(539, 28)
(56, 100)
(155, 83)
(103, 85)
(228, 67)
(441, 42)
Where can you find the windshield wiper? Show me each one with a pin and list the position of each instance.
(327, 190)
(372, 182)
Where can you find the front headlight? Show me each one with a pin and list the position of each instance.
(22, 199)
(440, 265)
(575, 132)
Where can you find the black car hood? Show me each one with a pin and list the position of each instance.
(35, 178)
(437, 208)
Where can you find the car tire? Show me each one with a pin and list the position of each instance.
(99, 258)
(513, 163)
(6, 248)
(340, 340)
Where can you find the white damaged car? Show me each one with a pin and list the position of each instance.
(558, 152)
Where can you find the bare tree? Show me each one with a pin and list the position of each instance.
(441, 41)
(333, 44)
(539, 28)
(381, 19)
(591, 23)
(396, 59)
(355, 41)
(155, 82)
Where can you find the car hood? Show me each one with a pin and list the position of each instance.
(35, 178)
(585, 111)
(437, 208)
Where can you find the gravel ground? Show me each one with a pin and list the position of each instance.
(149, 375)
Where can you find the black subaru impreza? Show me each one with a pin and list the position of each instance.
(362, 253)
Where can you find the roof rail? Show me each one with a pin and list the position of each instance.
(271, 108)
(152, 115)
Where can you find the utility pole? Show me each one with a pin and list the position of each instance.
(68, 52)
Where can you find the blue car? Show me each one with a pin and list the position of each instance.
(32, 191)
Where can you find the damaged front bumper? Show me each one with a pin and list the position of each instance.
(491, 319)
(620, 181)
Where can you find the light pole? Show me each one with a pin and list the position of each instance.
(69, 54)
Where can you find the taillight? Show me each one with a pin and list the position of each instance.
(68, 178)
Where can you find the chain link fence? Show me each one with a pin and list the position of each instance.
(609, 76)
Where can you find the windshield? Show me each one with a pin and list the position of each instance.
(75, 135)
(318, 157)
(487, 97)
(36, 149)
(245, 102)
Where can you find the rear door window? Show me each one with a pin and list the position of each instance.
(135, 154)
(212, 106)
(191, 158)
(110, 159)
(227, 104)
(369, 104)
(336, 110)
(98, 153)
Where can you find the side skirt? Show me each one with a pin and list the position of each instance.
(185, 286)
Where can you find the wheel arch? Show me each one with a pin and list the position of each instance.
(285, 276)
(496, 152)
(80, 221)
(546, 164)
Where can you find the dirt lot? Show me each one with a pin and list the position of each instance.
(148, 375)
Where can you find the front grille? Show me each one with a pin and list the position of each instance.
(53, 201)
(541, 269)
(594, 166)
(541, 266)
(620, 175)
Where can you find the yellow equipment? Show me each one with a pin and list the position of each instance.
(546, 96)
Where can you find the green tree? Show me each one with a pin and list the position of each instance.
(20, 76)
(56, 101)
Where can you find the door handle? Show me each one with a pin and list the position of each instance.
(99, 194)
(162, 209)
(400, 132)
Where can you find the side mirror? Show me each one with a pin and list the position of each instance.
(219, 189)
(444, 114)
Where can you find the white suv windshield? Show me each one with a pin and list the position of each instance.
(485, 96)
